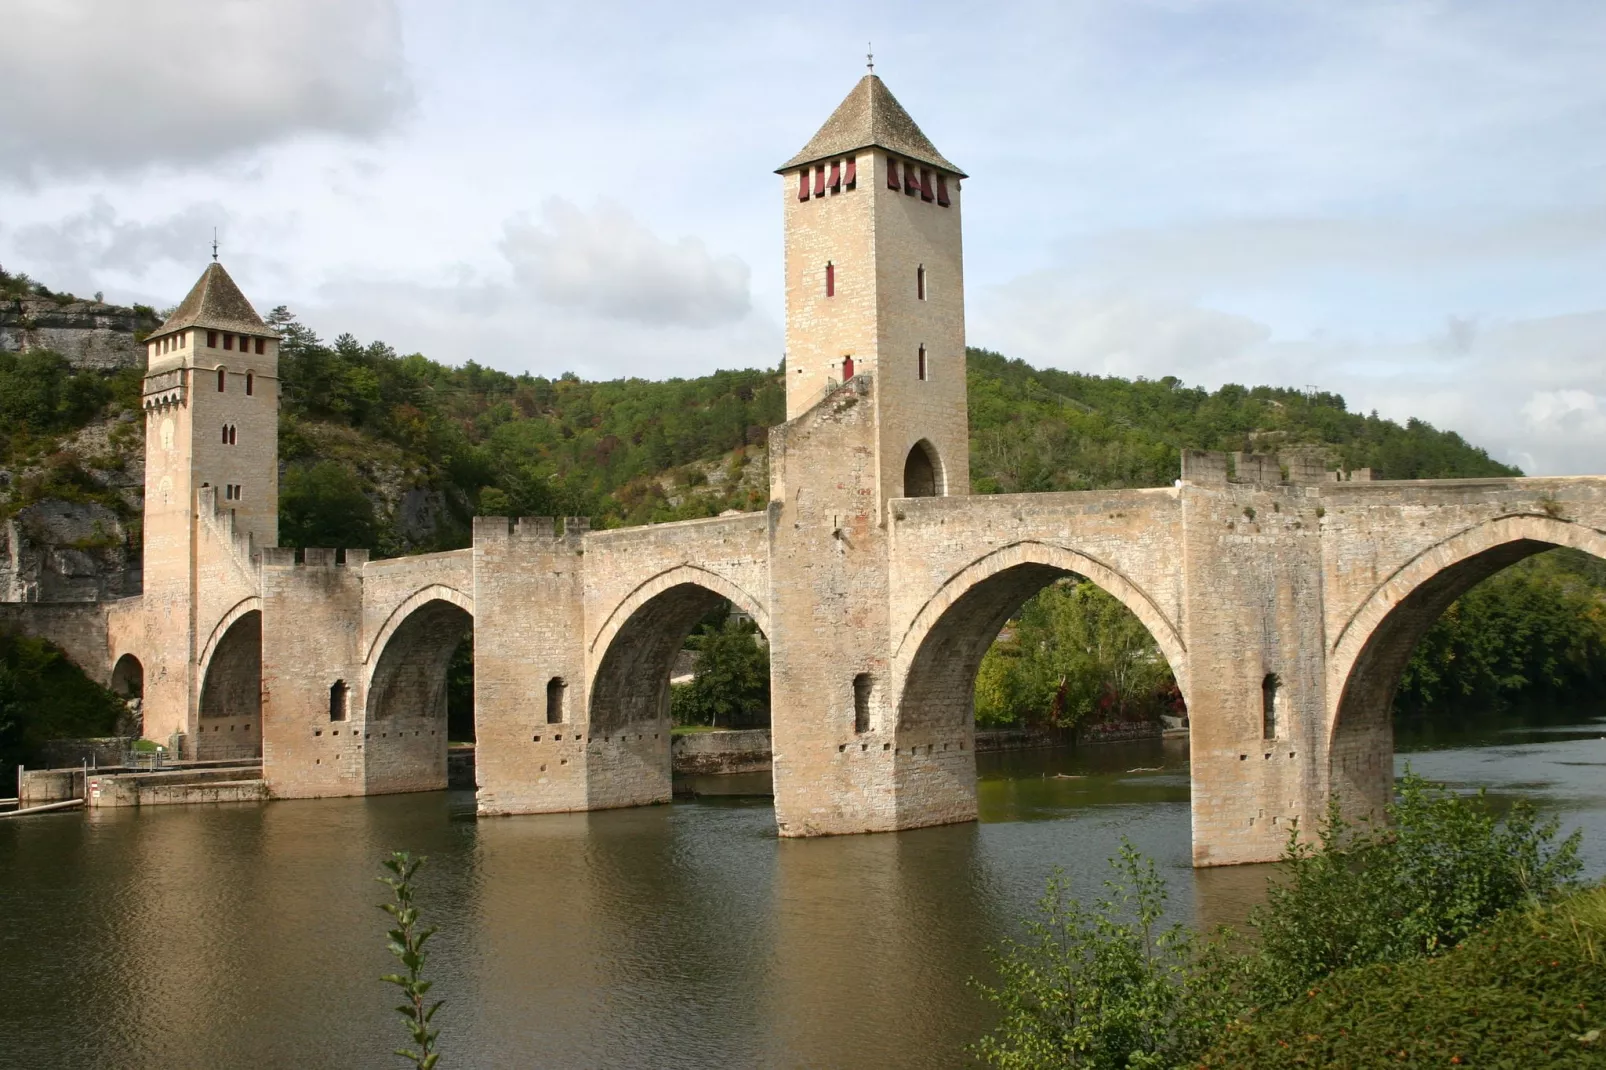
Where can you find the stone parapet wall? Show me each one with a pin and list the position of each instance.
(731, 751)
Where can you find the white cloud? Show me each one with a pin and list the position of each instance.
(1532, 392)
(104, 88)
(96, 241)
(1049, 317)
(594, 292)
(605, 263)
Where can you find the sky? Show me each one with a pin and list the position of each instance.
(1403, 201)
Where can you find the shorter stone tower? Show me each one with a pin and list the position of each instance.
(211, 401)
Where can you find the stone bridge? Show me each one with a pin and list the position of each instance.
(1286, 598)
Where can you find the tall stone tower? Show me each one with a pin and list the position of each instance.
(875, 286)
(211, 401)
(876, 415)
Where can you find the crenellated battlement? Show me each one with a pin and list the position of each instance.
(527, 530)
(313, 557)
(1287, 468)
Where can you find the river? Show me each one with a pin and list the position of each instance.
(675, 936)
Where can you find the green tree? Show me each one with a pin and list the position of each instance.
(731, 685)
(324, 505)
(1073, 653)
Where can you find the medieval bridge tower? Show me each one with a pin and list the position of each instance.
(1285, 598)
(211, 399)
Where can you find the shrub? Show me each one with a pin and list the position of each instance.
(406, 942)
(1442, 867)
(1527, 991)
(1106, 986)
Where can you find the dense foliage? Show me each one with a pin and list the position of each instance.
(1535, 631)
(487, 441)
(1442, 866)
(43, 696)
(1038, 429)
(1072, 654)
(1527, 991)
(1102, 987)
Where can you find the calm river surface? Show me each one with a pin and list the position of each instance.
(675, 936)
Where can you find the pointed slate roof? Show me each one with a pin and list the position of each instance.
(214, 301)
(870, 115)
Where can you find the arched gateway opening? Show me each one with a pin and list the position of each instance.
(1370, 655)
(230, 725)
(952, 634)
(723, 674)
(406, 735)
(922, 472)
(128, 684)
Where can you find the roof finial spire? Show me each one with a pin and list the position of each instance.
(869, 56)
(214, 245)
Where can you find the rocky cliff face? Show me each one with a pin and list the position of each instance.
(90, 334)
(59, 551)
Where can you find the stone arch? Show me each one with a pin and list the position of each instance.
(923, 476)
(230, 721)
(940, 652)
(657, 584)
(1371, 650)
(422, 596)
(128, 678)
(410, 655)
(636, 646)
(244, 606)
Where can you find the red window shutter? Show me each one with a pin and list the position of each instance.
(835, 182)
(892, 173)
(261, 347)
(803, 184)
(830, 280)
(942, 191)
(911, 179)
(211, 339)
(228, 341)
(847, 368)
(221, 379)
(851, 178)
(925, 185)
(819, 181)
(250, 382)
